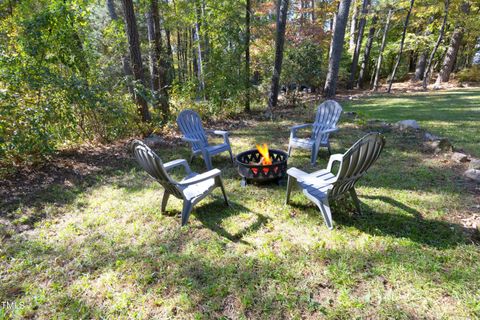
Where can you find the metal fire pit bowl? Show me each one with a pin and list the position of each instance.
(250, 170)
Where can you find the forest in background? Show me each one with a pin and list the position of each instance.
(87, 70)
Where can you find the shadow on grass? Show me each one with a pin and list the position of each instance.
(411, 225)
(220, 213)
(434, 233)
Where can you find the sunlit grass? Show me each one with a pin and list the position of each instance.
(453, 114)
(107, 252)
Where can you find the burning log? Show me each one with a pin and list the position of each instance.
(263, 150)
(265, 159)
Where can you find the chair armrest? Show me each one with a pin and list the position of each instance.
(298, 174)
(220, 133)
(321, 134)
(175, 163)
(334, 129)
(294, 129)
(200, 177)
(300, 126)
(333, 158)
(190, 139)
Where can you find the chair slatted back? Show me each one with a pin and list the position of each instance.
(151, 163)
(328, 114)
(356, 161)
(190, 124)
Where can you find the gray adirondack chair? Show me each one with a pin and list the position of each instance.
(328, 114)
(191, 126)
(193, 188)
(322, 185)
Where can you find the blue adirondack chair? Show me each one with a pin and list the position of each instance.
(190, 125)
(328, 114)
(322, 185)
(193, 188)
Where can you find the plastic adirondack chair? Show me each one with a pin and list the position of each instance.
(191, 126)
(328, 114)
(193, 188)
(322, 185)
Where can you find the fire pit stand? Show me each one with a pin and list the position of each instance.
(250, 168)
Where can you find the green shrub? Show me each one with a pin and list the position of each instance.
(304, 65)
(53, 88)
(470, 74)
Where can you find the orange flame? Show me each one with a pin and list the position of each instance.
(266, 160)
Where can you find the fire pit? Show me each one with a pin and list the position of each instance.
(261, 165)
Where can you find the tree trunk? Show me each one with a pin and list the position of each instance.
(248, 9)
(135, 56)
(180, 69)
(332, 28)
(358, 44)
(168, 59)
(190, 54)
(392, 78)
(411, 62)
(282, 10)
(426, 75)
(154, 77)
(380, 54)
(161, 76)
(196, 37)
(337, 48)
(111, 10)
(422, 58)
(302, 13)
(353, 26)
(450, 56)
(420, 67)
(366, 53)
(207, 48)
(170, 66)
(313, 11)
(193, 50)
(127, 70)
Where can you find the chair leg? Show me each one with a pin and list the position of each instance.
(231, 154)
(191, 157)
(329, 149)
(166, 195)
(289, 150)
(314, 156)
(208, 160)
(326, 213)
(187, 208)
(356, 201)
(289, 188)
(220, 183)
(208, 163)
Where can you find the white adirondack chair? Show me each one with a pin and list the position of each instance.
(322, 186)
(193, 188)
(190, 124)
(328, 114)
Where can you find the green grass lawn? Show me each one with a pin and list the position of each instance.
(452, 114)
(99, 248)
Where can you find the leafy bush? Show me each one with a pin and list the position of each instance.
(304, 65)
(471, 74)
(52, 87)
